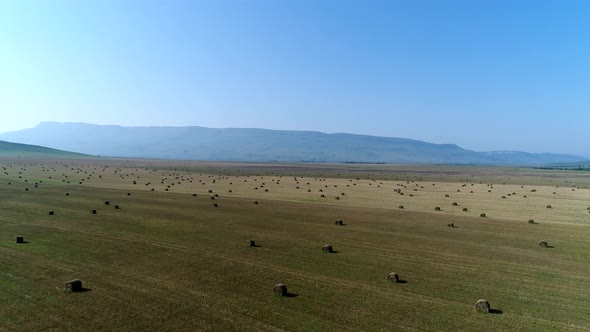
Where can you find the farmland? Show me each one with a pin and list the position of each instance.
(170, 260)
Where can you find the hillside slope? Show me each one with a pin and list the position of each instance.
(8, 149)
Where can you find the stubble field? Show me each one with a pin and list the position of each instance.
(168, 260)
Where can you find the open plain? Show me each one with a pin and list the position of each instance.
(170, 250)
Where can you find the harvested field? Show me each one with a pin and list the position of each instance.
(168, 261)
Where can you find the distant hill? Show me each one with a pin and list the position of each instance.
(8, 149)
(261, 145)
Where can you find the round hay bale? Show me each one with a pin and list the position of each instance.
(255, 202)
(117, 207)
(543, 244)
(447, 195)
(280, 290)
(393, 277)
(337, 197)
(51, 212)
(67, 194)
(128, 194)
(20, 239)
(465, 210)
(215, 205)
(455, 204)
(74, 285)
(483, 215)
(92, 211)
(107, 203)
(401, 206)
(451, 225)
(482, 306)
(194, 195)
(339, 222)
(251, 243)
(327, 249)
(531, 221)
(549, 206)
(322, 195)
(437, 208)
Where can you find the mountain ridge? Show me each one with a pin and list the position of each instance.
(254, 144)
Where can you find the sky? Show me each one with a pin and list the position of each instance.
(486, 75)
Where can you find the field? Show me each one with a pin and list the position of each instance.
(168, 260)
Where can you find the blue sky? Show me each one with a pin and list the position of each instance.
(486, 75)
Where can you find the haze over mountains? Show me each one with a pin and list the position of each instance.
(260, 145)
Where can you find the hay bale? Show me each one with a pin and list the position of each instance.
(215, 205)
(447, 195)
(117, 207)
(531, 221)
(128, 194)
(67, 194)
(465, 210)
(482, 306)
(322, 195)
(455, 204)
(255, 202)
(280, 290)
(339, 222)
(51, 212)
(543, 244)
(337, 197)
(107, 203)
(194, 195)
(327, 249)
(92, 211)
(401, 206)
(483, 215)
(549, 206)
(451, 225)
(74, 285)
(20, 239)
(393, 277)
(437, 208)
(251, 243)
